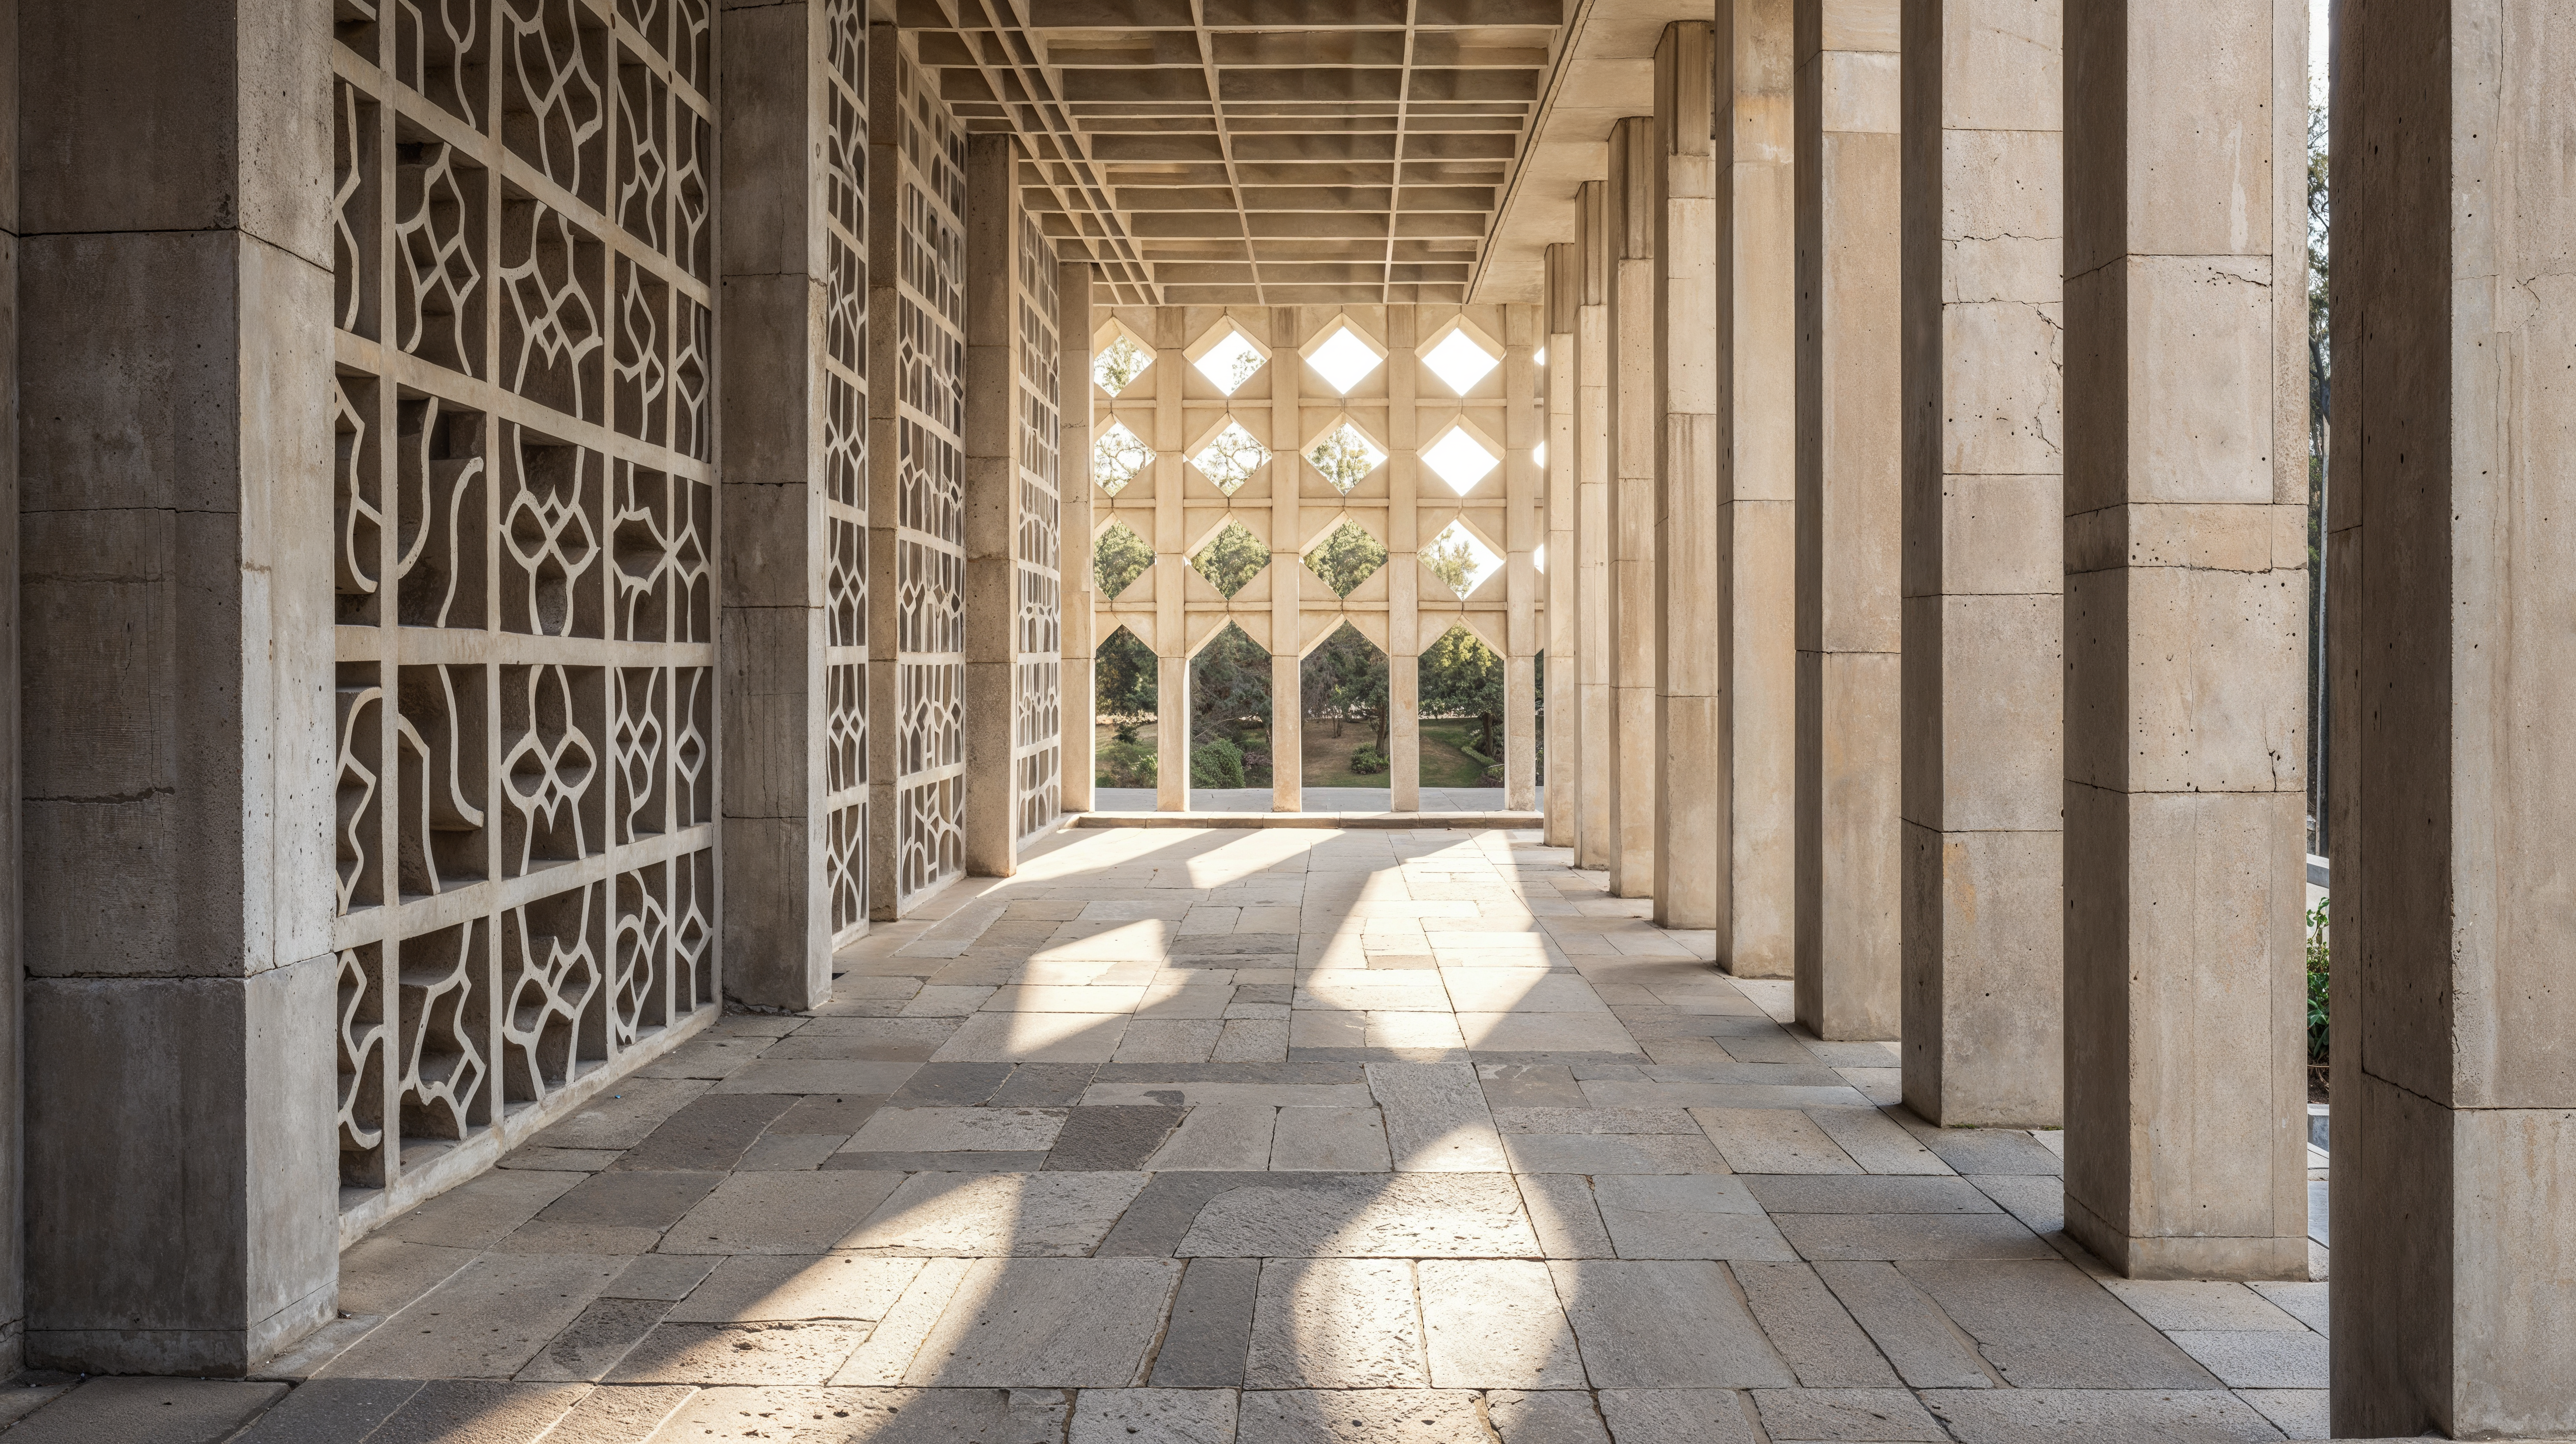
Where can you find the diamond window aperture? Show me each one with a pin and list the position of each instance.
(1460, 460)
(1231, 457)
(1230, 362)
(1344, 359)
(1459, 559)
(1459, 361)
(1118, 365)
(1345, 456)
(1117, 456)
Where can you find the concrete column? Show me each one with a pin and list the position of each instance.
(779, 510)
(994, 295)
(2185, 622)
(175, 517)
(1592, 523)
(1847, 518)
(1562, 774)
(13, 971)
(1404, 570)
(1634, 436)
(2455, 721)
(1081, 592)
(1983, 575)
(1522, 534)
(1691, 805)
(1756, 638)
(1287, 621)
(1171, 563)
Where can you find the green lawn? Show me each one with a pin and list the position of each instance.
(1328, 749)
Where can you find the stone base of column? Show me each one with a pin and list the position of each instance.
(2145, 1256)
(1984, 979)
(182, 1170)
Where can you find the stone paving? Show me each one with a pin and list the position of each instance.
(1274, 1137)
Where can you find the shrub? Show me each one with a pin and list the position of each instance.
(1124, 764)
(1216, 763)
(1125, 732)
(1368, 760)
(2317, 969)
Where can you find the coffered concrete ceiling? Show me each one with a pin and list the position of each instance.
(1268, 152)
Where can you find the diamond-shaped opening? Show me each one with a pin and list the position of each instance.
(1230, 558)
(1344, 357)
(1346, 558)
(1459, 559)
(1341, 689)
(1117, 455)
(1230, 712)
(1460, 360)
(1231, 457)
(1118, 360)
(1345, 456)
(1118, 556)
(1459, 459)
(1538, 559)
(1228, 358)
(1459, 697)
(1123, 706)
(1538, 455)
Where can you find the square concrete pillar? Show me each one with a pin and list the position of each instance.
(1287, 526)
(1403, 576)
(1984, 771)
(1634, 430)
(1523, 533)
(1171, 565)
(1081, 591)
(1562, 767)
(1691, 808)
(13, 967)
(1013, 613)
(1757, 419)
(1848, 406)
(1592, 835)
(793, 654)
(2185, 622)
(2453, 1021)
(175, 555)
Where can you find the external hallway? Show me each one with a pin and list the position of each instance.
(1275, 1136)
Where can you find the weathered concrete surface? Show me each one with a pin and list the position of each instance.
(1634, 425)
(993, 503)
(2186, 597)
(1563, 770)
(1691, 803)
(778, 931)
(1757, 638)
(2454, 1081)
(1984, 774)
(1848, 406)
(1081, 590)
(1595, 261)
(175, 569)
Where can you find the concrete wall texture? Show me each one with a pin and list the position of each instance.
(510, 556)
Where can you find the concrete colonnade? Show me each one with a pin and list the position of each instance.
(1949, 528)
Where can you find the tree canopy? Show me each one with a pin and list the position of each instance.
(1346, 558)
(1118, 556)
(1230, 558)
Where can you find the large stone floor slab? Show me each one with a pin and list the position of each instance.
(1258, 1137)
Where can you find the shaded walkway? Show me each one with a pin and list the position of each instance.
(1270, 1136)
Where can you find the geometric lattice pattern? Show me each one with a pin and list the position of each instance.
(524, 578)
(845, 466)
(920, 376)
(1038, 639)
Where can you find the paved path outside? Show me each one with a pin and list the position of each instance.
(1316, 799)
(1273, 1137)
